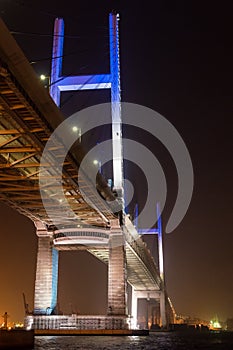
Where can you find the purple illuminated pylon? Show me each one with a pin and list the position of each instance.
(59, 83)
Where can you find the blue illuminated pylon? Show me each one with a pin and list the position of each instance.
(160, 240)
(59, 83)
(153, 231)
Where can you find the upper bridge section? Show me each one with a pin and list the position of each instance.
(28, 117)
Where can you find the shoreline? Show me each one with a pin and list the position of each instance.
(89, 332)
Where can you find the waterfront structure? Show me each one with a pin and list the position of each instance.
(28, 117)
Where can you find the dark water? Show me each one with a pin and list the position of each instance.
(158, 341)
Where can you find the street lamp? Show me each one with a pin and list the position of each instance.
(77, 130)
(45, 78)
(98, 164)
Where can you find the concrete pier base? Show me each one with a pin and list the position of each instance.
(76, 322)
(85, 332)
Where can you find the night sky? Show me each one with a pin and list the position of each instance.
(176, 59)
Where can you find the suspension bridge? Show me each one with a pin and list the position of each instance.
(29, 114)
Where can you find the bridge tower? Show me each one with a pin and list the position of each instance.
(155, 295)
(46, 276)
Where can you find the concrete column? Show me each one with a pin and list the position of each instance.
(117, 281)
(155, 313)
(163, 309)
(45, 298)
(134, 309)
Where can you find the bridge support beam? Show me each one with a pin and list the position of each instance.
(45, 298)
(117, 281)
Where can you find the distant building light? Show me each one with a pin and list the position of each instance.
(214, 324)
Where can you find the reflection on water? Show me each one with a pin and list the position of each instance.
(158, 341)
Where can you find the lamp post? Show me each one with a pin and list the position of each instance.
(45, 78)
(98, 164)
(75, 129)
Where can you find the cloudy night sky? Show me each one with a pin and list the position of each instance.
(176, 58)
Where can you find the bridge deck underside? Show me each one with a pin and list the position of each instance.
(25, 109)
(137, 273)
